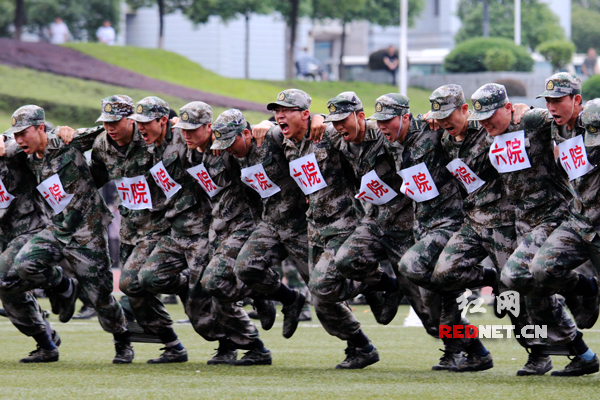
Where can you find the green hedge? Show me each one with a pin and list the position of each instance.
(591, 88)
(77, 115)
(470, 55)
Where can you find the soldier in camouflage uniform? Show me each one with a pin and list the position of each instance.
(563, 100)
(189, 212)
(575, 240)
(531, 181)
(489, 227)
(421, 161)
(385, 232)
(331, 218)
(232, 223)
(281, 232)
(20, 219)
(77, 220)
(121, 152)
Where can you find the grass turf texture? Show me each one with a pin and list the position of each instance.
(177, 69)
(75, 102)
(303, 367)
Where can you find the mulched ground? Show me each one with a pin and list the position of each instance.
(68, 62)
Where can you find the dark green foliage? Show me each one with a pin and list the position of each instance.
(469, 56)
(591, 88)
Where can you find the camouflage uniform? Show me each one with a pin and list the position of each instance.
(437, 219)
(187, 246)
(282, 229)
(385, 232)
(232, 223)
(539, 207)
(489, 228)
(575, 240)
(140, 229)
(77, 233)
(331, 219)
(19, 221)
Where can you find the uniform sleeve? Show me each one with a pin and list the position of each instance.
(12, 148)
(98, 166)
(85, 137)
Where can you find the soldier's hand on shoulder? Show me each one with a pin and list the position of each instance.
(519, 110)
(317, 128)
(259, 132)
(66, 133)
(433, 124)
(2, 147)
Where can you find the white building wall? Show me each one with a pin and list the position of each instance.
(217, 46)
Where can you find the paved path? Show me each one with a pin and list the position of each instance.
(68, 62)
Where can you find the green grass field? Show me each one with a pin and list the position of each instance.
(177, 69)
(20, 86)
(303, 367)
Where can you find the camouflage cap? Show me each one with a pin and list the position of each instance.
(342, 105)
(226, 128)
(25, 117)
(291, 98)
(150, 108)
(561, 84)
(445, 99)
(193, 115)
(116, 107)
(486, 100)
(390, 105)
(590, 118)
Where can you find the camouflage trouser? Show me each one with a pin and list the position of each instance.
(266, 248)
(22, 308)
(359, 259)
(36, 261)
(219, 278)
(163, 273)
(542, 308)
(149, 311)
(417, 265)
(418, 262)
(322, 277)
(565, 250)
(458, 266)
(326, 281)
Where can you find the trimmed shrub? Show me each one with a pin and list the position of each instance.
(470, 55)
(499, 60)
(591, 88)
(557, 52)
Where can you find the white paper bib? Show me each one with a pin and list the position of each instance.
(464, 174)
(201, 176)
(508, 152)
(257, 179)
(5, 197)
(375, 191)
(573, 157)
(307, 174)
(418, 184)
(53, 192)
(164, 180)
(134, 192)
